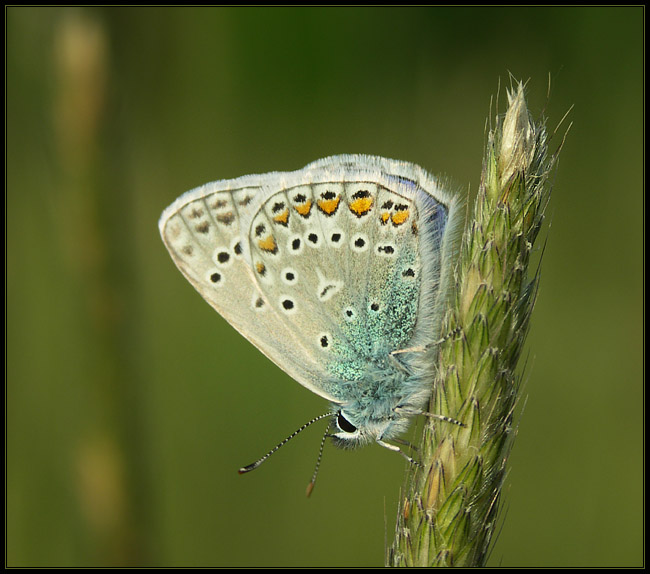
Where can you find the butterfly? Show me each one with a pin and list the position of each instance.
(339, 273)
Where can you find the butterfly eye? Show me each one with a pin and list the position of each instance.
(344, 424)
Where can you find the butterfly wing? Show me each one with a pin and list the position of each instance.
(323, 269)
(203, 232)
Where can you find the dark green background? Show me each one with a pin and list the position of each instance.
(131, 404)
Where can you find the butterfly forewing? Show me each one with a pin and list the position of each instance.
(204, 233)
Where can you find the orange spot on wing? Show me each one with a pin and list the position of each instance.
(400, 217)
(268, 244)
(385, 217)
(361, 206)
(282, 218)
(303, 208)
(329, 206)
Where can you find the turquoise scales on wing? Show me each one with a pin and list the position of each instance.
(368, 291)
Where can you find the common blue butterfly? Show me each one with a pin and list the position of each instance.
(338, 272)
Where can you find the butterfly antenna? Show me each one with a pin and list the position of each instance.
(310, 486)
(254, 465)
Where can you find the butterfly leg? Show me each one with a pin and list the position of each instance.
(395, 448)
(443, 418)
(420, 349)
(411, 412)
(406, 443)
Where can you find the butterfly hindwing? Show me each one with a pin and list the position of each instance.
(336, 253)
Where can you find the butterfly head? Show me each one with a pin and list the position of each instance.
(354, 429)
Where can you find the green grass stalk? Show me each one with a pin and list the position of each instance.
(448, 511)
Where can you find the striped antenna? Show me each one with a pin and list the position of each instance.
(254, 465)
(310, 486)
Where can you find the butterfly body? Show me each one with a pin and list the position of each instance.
(338, 272)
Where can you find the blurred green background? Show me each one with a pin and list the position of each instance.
(130, 404)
